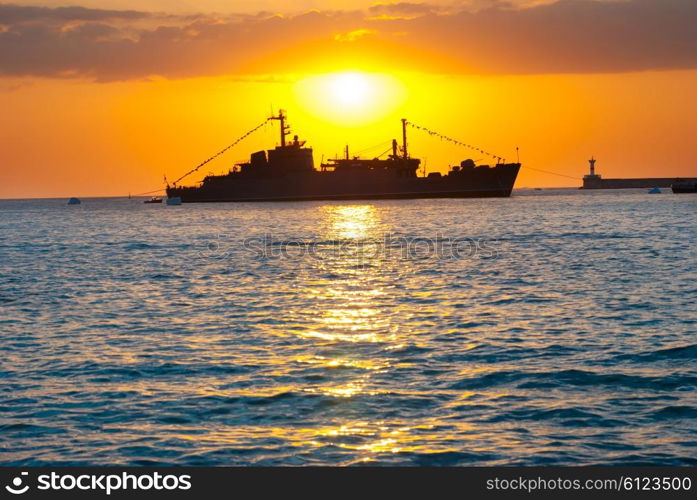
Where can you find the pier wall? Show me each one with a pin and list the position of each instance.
(662, 182)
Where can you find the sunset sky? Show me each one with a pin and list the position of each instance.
(104, 97)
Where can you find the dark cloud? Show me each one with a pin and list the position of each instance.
(567, 36)
(410, 10)
(402, 9)
(10, 14)
(572, 36)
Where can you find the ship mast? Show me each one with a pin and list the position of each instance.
(404, 138)
(285, 129)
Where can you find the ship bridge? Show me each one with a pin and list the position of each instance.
(286, 158)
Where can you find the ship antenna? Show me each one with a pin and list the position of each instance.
(517, 153)
(404, 138)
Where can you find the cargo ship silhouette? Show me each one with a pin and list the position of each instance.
(288, 173)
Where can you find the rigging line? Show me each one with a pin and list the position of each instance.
(150, 192)
(454, 141)
(222, 151)
(386, 151)
(552, 173)
(373, 147)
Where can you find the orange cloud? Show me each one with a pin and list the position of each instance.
(354, 35)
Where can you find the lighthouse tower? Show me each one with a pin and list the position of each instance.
(592, 180)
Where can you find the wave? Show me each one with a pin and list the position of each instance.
(687, 352)
(576, 378)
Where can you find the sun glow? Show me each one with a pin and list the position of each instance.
(350, 97)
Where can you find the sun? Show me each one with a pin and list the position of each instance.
(350, 88)
(350, 97)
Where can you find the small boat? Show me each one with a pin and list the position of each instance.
(176, 200)
(154, 199)
(684, 187)
(73, 201)
(655, 190)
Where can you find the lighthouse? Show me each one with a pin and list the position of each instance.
(592, 180)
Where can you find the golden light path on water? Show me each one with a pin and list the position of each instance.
(355, 320)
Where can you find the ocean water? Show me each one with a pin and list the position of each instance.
(551, 328)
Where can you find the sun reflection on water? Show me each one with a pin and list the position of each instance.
(341, 362)
(351, 221)
(350, 315)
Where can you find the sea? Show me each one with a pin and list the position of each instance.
(555, 327)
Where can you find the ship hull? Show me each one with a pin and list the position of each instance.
(684, 187)
(480, 182)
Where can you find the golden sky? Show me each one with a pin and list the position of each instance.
(106, 97)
